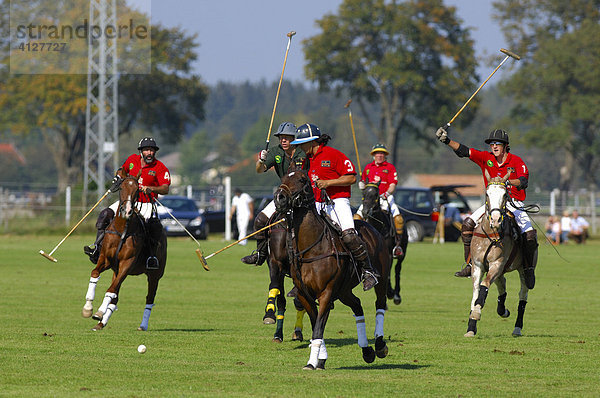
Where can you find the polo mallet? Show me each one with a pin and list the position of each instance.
(353, 136)
(244, 238)
(49, 256)
(198, 250)
(289, 35)
(509, 54)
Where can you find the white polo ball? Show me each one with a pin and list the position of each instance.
(141, 348)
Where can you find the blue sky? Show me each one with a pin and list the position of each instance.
(246, 40)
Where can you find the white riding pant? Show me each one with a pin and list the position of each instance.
(340, 212)
(269, 209)
(522, 218)
(145, 209)
(385, 205)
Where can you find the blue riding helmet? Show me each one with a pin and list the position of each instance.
(286, 128)
(306, 133)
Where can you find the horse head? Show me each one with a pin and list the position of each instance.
(496, 196)
(295, 191)
(370, 199)
(128, 196)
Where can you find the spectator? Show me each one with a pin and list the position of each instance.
(565, 227)
(553, 229)
(579, 227)
(243, 205)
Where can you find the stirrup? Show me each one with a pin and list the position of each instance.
(152, 263)
(397, 252)
(253, 259)
(368, 280)
(89, 250)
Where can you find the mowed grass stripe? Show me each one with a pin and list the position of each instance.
(206, 335)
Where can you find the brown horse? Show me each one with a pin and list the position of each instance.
(125, 252)
(384, 224)
(323, 270)
(495, 249)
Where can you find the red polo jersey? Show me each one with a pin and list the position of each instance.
(328, 164)
(487, 161)
(154, 174)
(386, 171)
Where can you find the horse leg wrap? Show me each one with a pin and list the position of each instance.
(315, 348)
(472, 326)
(109, 311)
(146, 317)
(273, 293)
(520, 313)
(322, 351)
(361, 331)
(501, 309)
(108, 298)
(91, 292)
(299, 318)
(379, 316)
(483, 292)
(466, 235)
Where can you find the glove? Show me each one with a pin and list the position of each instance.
(116, 184)
(384, 195)
(361, 185)
(442, 136)
(263, 155)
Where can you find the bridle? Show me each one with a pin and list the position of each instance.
(502, 208)
(127, 205)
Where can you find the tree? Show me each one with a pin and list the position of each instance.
(163, 102)
(412, 57)
(557, 86)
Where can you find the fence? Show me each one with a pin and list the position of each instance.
(21, 205)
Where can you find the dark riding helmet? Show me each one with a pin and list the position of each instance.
(147, 142)
(499, 136)
(379, 148)
(306, 133)
(286, 128)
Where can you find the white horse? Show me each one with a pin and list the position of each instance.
(496, 250)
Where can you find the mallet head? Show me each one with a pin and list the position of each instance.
(292, 33)
(202, 259)
(49, 257)
(510, 54)
(348, 103)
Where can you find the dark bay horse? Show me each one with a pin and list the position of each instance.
(384, 224)
(125, 252)
(323, 270)
(496, 250)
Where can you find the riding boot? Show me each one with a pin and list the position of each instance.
(261, 253)
(360, 254)
(104, 219)
(399, 224)
(530, 249)
(154, 234)
(466, 235)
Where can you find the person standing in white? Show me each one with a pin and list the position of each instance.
(243, 206)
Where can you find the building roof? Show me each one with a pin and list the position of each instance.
(9, 150)
(429, 180)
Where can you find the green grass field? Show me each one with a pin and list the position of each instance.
(206, 336)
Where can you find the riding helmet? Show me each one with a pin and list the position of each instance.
(379, 148)
(499, 136)
(286, 128)
(147, 142)
(306, 133)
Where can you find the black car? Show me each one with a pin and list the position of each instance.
(420, 209)
(186, 211)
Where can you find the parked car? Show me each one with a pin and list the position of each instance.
(186, 211)
(215, 219)
(420, 209)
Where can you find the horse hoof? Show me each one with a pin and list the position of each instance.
(321, 364)
(86, 313)
(397, 299)
(368, 354)
(277, 339)
(381, 349)
(476, 314)
(99, 326)
(141, 329)
(297, 336)
(470, 334)
(517, 332)
(98, 316)
(506, 313)
(308, 367)
(269, 318)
